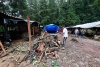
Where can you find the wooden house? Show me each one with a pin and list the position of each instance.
(15, 27)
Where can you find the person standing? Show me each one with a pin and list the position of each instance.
(65, 36)
(83, 33)
(76, 32)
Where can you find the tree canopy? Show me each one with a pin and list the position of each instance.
(69, 12)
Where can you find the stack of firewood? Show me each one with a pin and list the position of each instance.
(46, 46)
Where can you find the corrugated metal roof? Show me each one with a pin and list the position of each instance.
(4, 15)
(88, 25)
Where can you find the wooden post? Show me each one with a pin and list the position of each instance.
(29, 31)
(2, 47)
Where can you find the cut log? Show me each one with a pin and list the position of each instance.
(53, 49)
(55, 43)
(40, 47)
(51, 53)
(40, 57)
(56, 54)
(45, 35)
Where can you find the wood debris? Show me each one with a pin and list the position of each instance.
(45, 46)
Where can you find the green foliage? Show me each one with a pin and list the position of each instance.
(1, 29)
(89, 31)
(21, 6)
(4, 7)
(70, 13)
(55, 64)
(45, 20)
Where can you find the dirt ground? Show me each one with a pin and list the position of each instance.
(84, 53)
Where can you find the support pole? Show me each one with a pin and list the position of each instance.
(29, 31)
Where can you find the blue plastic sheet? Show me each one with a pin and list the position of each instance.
(51, 28)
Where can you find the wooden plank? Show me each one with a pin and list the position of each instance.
(2, 47)
(40, 47)
(29, 32)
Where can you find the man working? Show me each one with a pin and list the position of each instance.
(65, 36)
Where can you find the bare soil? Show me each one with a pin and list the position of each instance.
(84, 53)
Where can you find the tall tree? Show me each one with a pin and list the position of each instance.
(33, 9)
(19, 7)
(4, 5)
(52, 6)
(69, 16)
(96, 5)
(44, 18)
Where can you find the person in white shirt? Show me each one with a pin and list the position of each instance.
(65, 35)
(76, 32)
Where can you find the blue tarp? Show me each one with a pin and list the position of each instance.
(51, 28)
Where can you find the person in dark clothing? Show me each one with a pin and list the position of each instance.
(83, 33)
